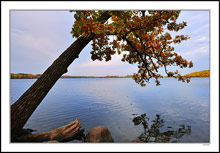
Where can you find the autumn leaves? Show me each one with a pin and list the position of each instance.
(141, 34)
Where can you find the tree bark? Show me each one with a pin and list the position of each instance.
(65, 133)
(23, 108)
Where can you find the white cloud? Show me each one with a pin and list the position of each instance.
(201, 29)
(39, 37)
(34, 43)
(202, 39)
(196, 53)
(115, 61)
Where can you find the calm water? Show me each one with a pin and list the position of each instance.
(114, 102)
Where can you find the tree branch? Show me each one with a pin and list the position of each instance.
(160, 60)
(136, 50)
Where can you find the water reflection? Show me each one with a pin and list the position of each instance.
(156, 133)
(110, 103)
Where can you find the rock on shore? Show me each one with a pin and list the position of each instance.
(99, 134)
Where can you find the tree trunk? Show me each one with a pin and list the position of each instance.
(65, 133)
(23, 108)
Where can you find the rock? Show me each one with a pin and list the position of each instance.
(99, 134)
(25, 132)
(136, 141)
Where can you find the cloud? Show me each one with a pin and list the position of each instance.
(33, 43)
(116, 61)
(202, 39)
(196, 53)
(38, 38)
(201, 29)
(194, 18)
(197, 47)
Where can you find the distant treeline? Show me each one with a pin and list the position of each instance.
(34, 76)
(205, 73)
(24, 76)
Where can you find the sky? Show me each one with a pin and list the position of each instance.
(37, 38)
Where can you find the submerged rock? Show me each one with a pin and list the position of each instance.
(99, 134)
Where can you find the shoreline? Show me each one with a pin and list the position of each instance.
(99, 77)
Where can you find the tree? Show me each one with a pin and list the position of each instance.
(22, 109)
(138, 33)
(141, 34)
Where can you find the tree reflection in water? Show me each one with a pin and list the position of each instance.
(153, 132)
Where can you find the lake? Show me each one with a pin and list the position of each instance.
(175, 111)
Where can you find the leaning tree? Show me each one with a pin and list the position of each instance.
(143, 36)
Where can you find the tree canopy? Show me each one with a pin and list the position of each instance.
(143, 37)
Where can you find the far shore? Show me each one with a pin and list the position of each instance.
(198, 74)
(98, 77)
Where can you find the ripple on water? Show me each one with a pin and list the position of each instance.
(111, 102)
